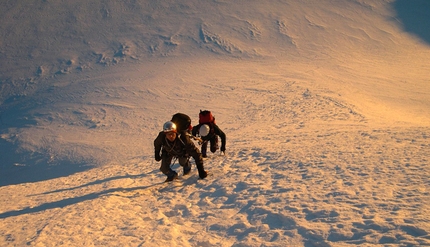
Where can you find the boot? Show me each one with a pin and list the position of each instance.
(203, 174)
(171, 176)
(187, 169)
(204, 152)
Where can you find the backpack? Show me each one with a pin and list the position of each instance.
(206, 117)
(182, 121)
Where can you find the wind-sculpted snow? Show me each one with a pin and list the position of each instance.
(302, 168)
(325, 105)
(342, 187)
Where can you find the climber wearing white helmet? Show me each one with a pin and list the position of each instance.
(209, 131)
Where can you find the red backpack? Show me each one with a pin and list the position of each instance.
(206, 117)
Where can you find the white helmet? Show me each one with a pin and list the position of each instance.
(204, 130)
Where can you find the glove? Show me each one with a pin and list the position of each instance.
(157, 157)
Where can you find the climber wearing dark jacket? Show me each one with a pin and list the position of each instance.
(174, 145)
(209, 133)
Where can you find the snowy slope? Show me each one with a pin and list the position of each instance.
(326, 107)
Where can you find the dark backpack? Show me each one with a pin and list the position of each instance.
(182, 121)
(206, 117)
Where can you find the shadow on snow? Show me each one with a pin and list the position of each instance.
(25, 167)
(19, 165)
(71, 201)
(415, 17)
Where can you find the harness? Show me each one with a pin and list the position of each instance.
(170, 148)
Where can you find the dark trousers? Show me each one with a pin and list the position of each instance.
(214, 145)
(166, 161)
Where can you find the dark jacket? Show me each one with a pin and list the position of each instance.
(182, 146)
(214, 131)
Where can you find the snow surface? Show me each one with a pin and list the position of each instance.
(325, 104)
